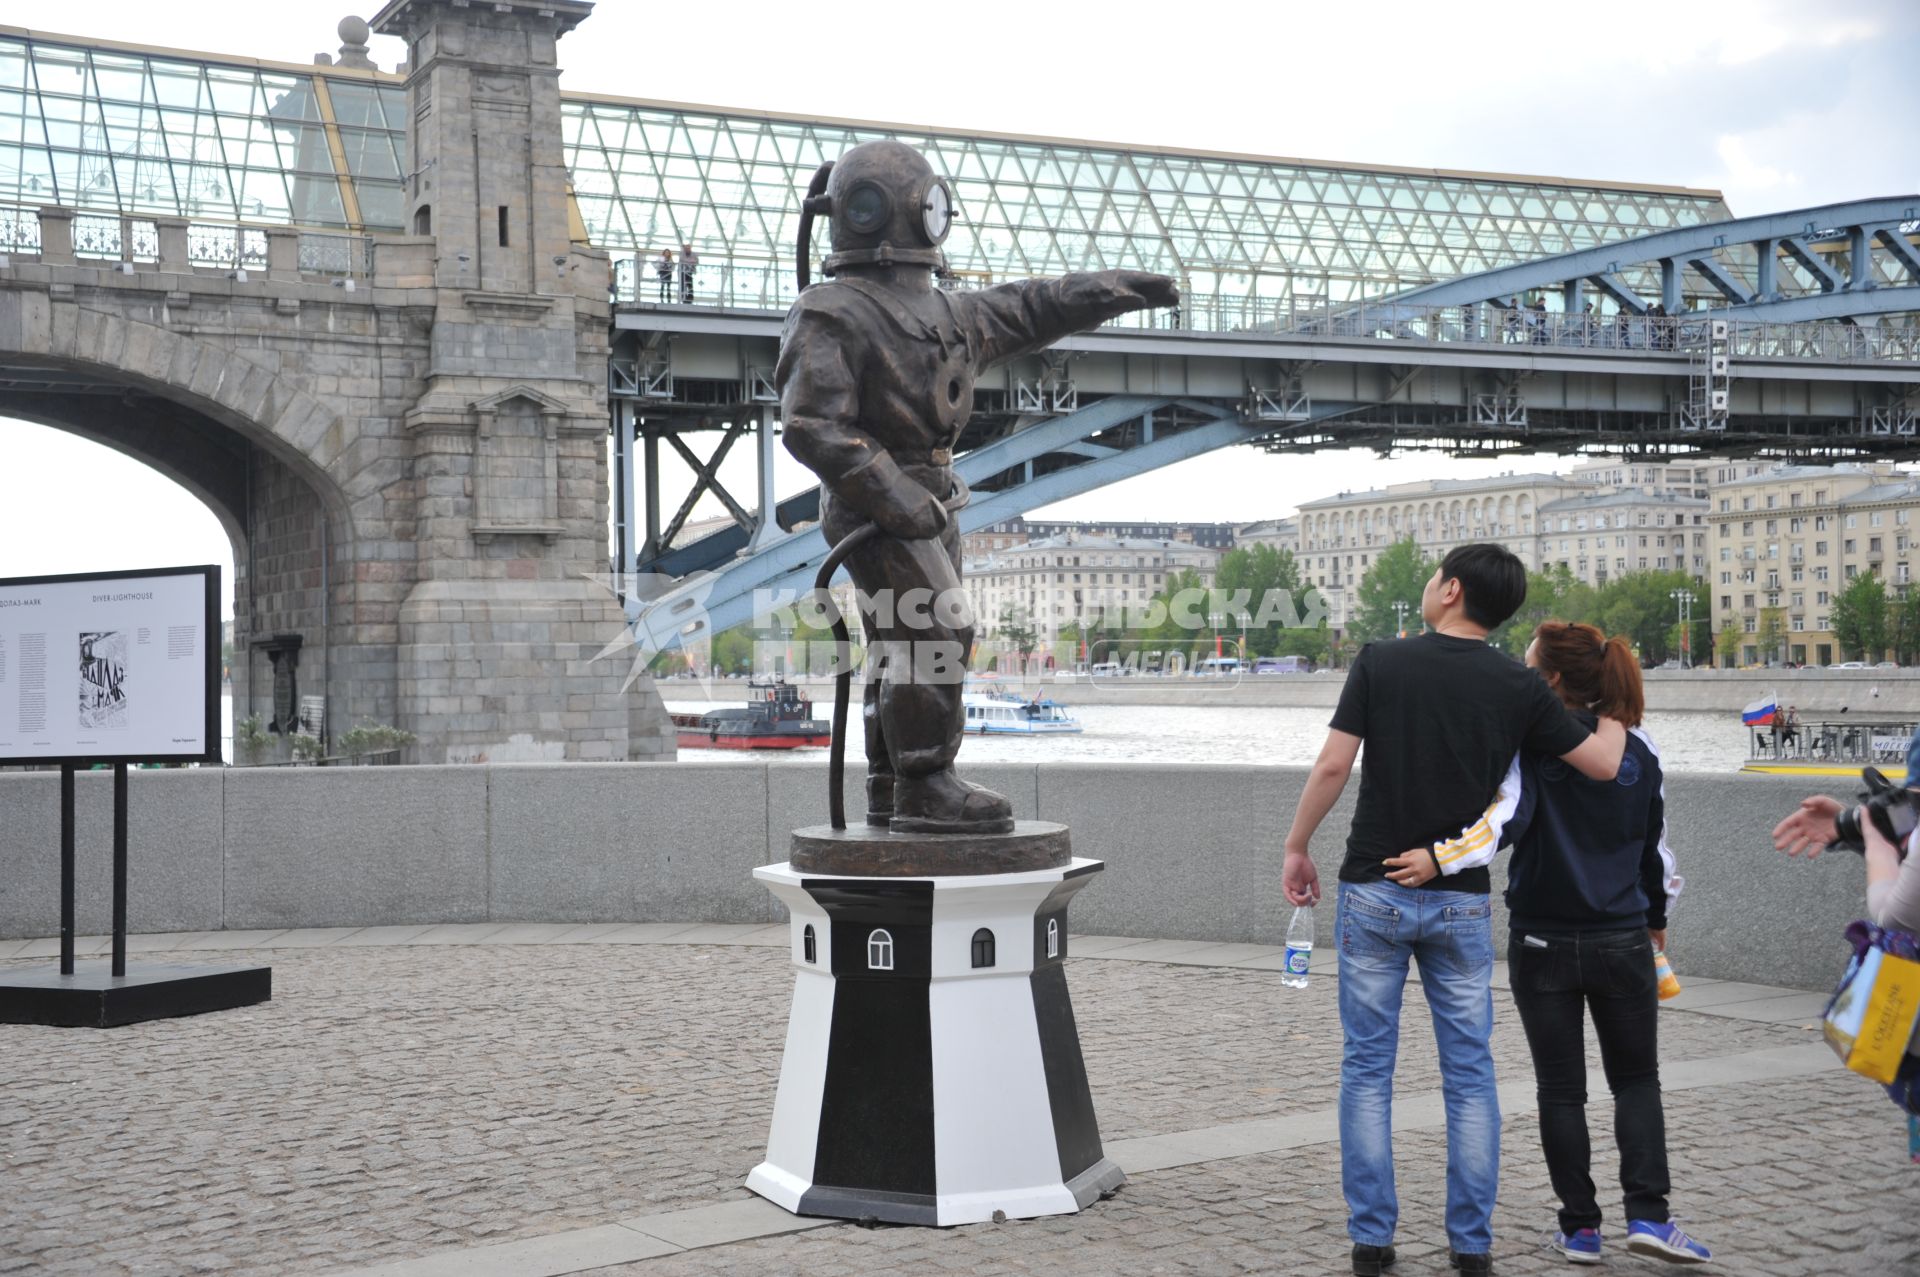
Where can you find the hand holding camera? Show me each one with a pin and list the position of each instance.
(1821, 822)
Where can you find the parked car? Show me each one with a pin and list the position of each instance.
(1282, 665)
(1849, 665)
(1887, 665)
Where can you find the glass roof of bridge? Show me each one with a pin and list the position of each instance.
(654, 176)
(174, 136)
(108, 127)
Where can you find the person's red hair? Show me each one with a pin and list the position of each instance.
(1596, 672)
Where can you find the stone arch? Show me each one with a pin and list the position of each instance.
(271, 462)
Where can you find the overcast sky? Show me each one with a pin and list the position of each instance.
(1778, 105)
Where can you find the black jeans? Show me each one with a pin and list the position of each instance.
(1557, 976)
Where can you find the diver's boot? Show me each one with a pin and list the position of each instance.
(942, 803)
(880, 799)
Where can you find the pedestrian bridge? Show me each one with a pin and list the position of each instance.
(1460, 366)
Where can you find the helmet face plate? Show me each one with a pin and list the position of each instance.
(866, 210)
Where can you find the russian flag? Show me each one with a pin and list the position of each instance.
(1760, 713)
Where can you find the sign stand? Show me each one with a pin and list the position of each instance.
(105, 994)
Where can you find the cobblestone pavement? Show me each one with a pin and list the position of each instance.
(398, 1102)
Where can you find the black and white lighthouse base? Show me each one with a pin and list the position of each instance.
(932, 1072)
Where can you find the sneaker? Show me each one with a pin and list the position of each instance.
(1582, 1246)
(1665, 1241)
(1470, 1265)
(1371, 1261)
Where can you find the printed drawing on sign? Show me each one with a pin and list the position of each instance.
(103, 681)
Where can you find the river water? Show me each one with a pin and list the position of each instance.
(1237, 734)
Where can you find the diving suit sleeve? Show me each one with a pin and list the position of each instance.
(1030, 314)
(820, 396)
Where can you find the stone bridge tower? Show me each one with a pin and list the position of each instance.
(508, 434)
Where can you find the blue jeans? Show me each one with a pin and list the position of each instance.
(1450, 934)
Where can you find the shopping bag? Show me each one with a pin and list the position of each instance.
(1870, 1020)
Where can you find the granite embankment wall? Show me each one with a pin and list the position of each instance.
(1191, 851)
(1884, 693)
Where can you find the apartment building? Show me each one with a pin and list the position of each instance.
(1057, 580)
(1691, 477)
(1602, 536)
(1791, 538)
(1020, 530)
(1340, 535)
(1281, 534)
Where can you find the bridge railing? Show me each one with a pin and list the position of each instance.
(19, 230)
(1486, 325)
(743, 285)
(175, 243)
(759, 285)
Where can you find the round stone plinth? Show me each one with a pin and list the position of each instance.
(864, 851)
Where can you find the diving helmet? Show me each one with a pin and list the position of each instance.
(887, 207)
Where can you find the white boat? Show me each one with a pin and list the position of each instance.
(1006, 715)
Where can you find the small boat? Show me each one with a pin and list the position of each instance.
(1003, 714)
(777, 715)
(1835, 747)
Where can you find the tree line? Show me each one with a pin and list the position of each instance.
(1867, 620)
(1637, 605)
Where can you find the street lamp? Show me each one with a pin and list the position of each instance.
(1401, 607)
(1683, 601)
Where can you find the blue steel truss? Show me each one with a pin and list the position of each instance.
(708, 603)
(1837, 261)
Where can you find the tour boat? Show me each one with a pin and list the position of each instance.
(1831, 747)
(1003, 714)
(777, 715)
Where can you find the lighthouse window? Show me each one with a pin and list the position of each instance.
(880, 951)
(1053, 937)
(983, 948)
(807, 949)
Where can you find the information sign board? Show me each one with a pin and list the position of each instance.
(111, 667)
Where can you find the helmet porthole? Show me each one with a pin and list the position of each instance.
(936, 212)
(866, 209)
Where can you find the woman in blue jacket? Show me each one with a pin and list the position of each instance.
(1588, 890)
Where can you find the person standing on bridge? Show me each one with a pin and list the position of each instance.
(876, 376)
(689, 263)
(663, 271)
(1442, 716)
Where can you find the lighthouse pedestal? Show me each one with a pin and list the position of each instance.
(932, 1072)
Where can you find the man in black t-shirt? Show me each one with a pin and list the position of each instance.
(1442, 715)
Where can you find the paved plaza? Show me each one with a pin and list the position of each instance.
(536, 1099)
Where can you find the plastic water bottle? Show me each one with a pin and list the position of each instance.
(1663, 972)
(1299, 948)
